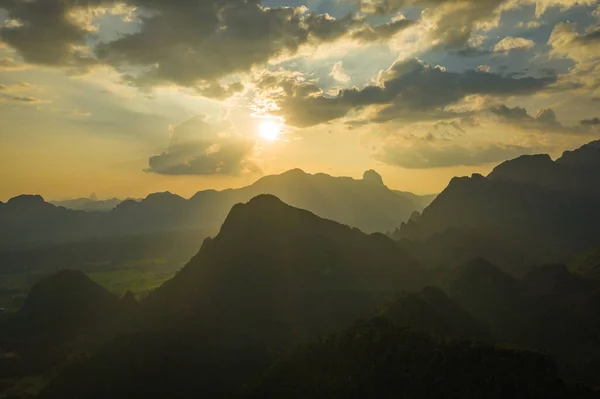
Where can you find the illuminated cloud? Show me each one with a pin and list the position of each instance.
(510, 44)
(339, 74)
(407, 90)
(198, 147)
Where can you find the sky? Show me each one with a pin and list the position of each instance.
(126, 98)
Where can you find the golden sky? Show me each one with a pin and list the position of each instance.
(129, 98)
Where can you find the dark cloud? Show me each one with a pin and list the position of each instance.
(201, 148)
(191, 43)
(44, 34)
(591, 122)
(424, 154)
(545, 120)
(590, 37)
(512, 114)
(408, 90)
(471, 52)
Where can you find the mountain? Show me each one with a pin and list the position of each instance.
(88, 204)
(65, 304)
(434, 312)
(421, 201)
(29, 221)
(377, 359)
(530, 210)
(273, 275)
(549, 310)
(557, 280)
(575, 171)
(283, 269)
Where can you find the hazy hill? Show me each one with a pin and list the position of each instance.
(29, 221)
(377, 359)
(286, 270)
(366, 204)
(89, 204)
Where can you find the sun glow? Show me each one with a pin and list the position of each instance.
(269, 130)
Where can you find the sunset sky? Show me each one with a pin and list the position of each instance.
(128, 98)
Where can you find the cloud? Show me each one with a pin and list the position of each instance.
(189, 43)
(45, 33)
(452, 23)
(339, 74)
(197, 147)
(382, 32)
(529, 24)
(584, 50)
(510, 44)
(591, 122)
(567, 42)
(544, 121)
(408, 90)
(13, 93)
(426, 155)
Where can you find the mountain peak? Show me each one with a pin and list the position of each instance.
(65, 301)
(371, 175)
(585, 157)
(26, 200)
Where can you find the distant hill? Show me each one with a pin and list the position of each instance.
(89, 204)
(285, 271)
(29, 221)
(377, 359)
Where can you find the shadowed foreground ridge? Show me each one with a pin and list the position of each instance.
(377, 359)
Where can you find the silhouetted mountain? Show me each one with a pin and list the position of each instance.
(28, 220)
(283, 269)
(557, 280)
(273, 275)
(433, 312)
(89, 204)
(67, 303)
(577, 172)
(377, 359)
(366, 204)
(549, 310)
(522, 212)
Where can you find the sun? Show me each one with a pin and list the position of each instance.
(269, 130)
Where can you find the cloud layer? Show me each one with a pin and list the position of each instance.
(198, 147)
